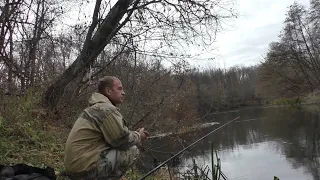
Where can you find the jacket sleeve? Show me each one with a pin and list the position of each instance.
(116, 133)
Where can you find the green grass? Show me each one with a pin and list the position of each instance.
(29, 138)
(31, 142)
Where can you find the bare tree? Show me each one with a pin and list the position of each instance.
(294, 62)
(184, 20)
(24, 27)
(9, 13)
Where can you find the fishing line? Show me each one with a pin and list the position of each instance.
(160, 165)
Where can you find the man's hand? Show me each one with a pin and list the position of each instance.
(143, 134)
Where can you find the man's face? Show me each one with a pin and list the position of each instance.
(116, 93)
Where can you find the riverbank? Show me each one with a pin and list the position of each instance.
(33, 137)
(40, 144)
(312, 98)
(309, 99)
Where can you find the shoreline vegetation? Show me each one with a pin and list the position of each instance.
(35, 139)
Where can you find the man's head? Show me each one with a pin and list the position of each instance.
(111, 87)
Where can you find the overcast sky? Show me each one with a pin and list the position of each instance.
(246, 41)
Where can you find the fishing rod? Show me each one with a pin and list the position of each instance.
(160, 165)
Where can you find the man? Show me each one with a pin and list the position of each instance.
(100, 146)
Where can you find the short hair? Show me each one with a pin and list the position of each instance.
(105, 82)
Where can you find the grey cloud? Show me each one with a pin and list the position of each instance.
(259, 24)
(254, 46)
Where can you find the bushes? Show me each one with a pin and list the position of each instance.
(293, 102)
(312, 98)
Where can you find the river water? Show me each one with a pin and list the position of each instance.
(261, 144)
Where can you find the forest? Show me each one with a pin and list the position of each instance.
(49, 66)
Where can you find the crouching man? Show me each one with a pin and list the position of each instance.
(100, 145)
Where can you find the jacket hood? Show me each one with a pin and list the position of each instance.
(98, 98)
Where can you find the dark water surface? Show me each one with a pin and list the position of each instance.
(264, 142)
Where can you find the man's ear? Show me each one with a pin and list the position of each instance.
(108, 91)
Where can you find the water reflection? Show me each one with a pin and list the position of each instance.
(285, 142)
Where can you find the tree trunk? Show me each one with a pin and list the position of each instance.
(10, 81)
(91, 49)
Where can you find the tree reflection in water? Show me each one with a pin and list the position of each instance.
(292, 133)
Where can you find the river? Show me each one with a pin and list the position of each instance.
(261, 144)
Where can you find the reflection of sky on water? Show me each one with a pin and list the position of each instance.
(256, 161)
(263, 161)
(266, 142)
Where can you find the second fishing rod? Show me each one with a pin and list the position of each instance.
(166, 161)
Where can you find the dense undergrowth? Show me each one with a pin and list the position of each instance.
(30, 135)
(27, 135)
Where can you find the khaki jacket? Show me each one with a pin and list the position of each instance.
(99, 127)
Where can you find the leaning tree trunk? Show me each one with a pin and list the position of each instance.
(91, 49)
